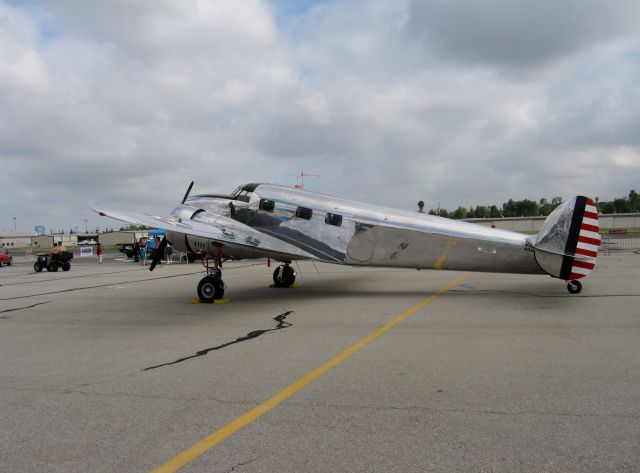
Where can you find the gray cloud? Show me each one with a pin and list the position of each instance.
(519, 33)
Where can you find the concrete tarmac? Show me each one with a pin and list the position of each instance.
(111, 368)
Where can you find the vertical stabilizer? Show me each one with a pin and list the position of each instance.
(568, 242)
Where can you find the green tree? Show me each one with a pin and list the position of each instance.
(481, 211)
(621, 205)
(633, 201)
(509, 208)
(460, 213)
(607, 208)
(494, 212)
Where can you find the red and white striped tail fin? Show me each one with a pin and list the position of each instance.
(586, 250)
(567, 245)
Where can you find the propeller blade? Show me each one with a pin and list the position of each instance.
(158, 253)
(187, 194)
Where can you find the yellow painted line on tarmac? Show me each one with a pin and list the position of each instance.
(245, 419)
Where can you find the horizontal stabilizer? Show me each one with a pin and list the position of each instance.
(567, 245)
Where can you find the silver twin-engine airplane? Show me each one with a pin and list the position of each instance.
(265, 220)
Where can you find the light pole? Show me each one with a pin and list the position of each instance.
(86, 229)
(14, 225)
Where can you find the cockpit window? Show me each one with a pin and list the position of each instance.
(243, 193)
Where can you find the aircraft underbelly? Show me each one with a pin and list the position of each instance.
(387, 246)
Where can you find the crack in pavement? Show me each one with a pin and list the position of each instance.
(100, 285)
(128, 395)
(471, 292)
(70, 277)
(433, 410)
(459, 411)
(282, 323)
(233, 468)
(20, 308)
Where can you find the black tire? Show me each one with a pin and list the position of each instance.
(284, 276)
(129, 254)
(66, 266)
(574, 287)
(37, 267)
(210, 289)
(53, 267)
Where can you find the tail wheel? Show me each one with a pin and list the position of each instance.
(284, 276)
(210, 289)
(37, 267)
(574, 287)
(66, 266)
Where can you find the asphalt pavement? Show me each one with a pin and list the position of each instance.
(111, 368)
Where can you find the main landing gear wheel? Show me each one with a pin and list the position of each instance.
(210, 289)
(574, 287)
(284, 276)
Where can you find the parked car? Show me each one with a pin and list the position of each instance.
(5, 257)
(128, 249)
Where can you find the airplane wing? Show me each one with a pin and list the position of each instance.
(229, 232)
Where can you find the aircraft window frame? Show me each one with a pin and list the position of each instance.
(267, 205)
(304, 213)
(333, 219)
(244, 196)
(196, 213)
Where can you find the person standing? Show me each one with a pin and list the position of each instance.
(168, 253)
(156, 247)
(99, 252)
(143, 251)
(136, 250)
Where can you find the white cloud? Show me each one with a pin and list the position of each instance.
(123, 103)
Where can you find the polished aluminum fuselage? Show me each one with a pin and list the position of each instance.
(368, 235)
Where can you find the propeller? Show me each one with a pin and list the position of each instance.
(187, 194)
(159, 251)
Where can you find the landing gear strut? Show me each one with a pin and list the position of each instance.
(284, 275)
(574, 287)
(211, 287)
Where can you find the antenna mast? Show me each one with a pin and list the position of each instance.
(300, 177)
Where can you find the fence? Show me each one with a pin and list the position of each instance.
(628, 241)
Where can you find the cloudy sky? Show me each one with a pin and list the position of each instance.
(122, 103)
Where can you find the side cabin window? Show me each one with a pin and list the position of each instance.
(304, 212)
(333, 219)
(267, 205)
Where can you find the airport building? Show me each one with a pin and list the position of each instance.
(609, 223)
(19, 239)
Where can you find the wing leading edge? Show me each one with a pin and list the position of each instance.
(221, 229)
